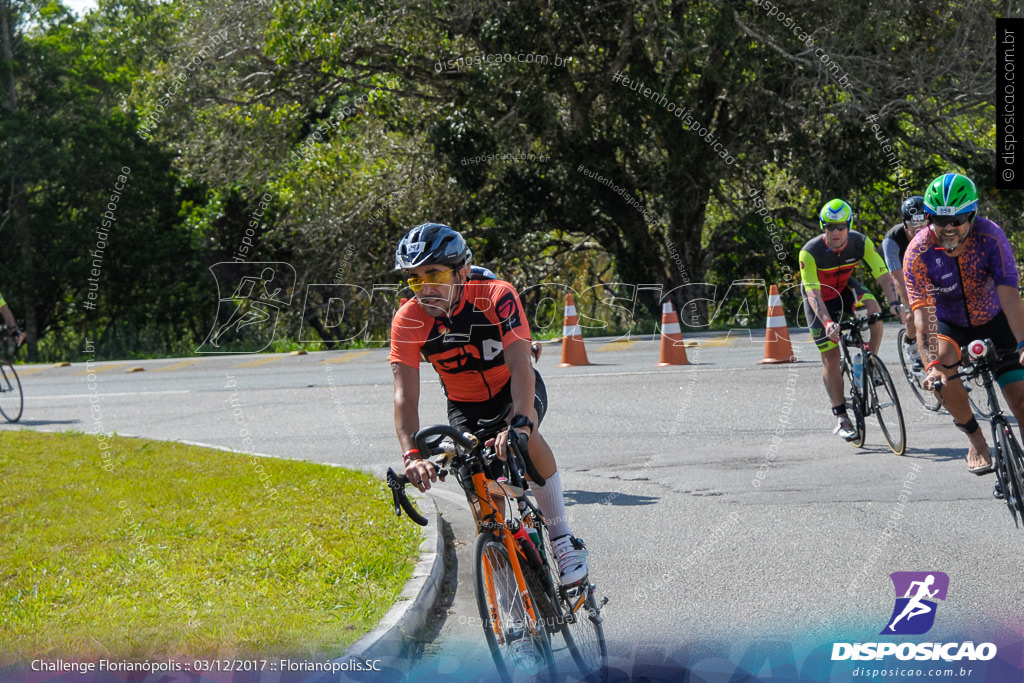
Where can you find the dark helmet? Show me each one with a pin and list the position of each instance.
(431, 243)
(913, 209)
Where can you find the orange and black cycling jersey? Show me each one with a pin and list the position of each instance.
(829, 271)
(467, 349)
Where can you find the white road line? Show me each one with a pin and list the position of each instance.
(113, 393)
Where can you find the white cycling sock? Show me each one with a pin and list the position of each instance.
(552, 505)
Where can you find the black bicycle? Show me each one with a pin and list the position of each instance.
(874, 392)
(915, 378)
(979, 361)
(516, 581)
(12, 402)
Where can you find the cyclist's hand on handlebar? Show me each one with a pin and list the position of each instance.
(500, 442)
(832, 330)
(897, 309)
(420, 473)
(935, 379)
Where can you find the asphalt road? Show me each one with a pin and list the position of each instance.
(700, 558)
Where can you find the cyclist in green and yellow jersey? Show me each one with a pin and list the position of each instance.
(827, 263)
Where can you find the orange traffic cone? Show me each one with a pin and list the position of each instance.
(777, 348)
(573, 350)
(673, 351)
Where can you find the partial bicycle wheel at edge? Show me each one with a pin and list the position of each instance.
(584, 633)
(582, 626)
(1014, 460)
(927, 398)
(886, 405)
(521, 648)
(11, 400)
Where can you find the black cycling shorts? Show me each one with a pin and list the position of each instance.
(998, 330)
(851, 294)
(466, 416)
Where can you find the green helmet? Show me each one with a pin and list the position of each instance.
(950, 195)
(836, 211)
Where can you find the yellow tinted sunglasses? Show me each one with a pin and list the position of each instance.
(442, 277)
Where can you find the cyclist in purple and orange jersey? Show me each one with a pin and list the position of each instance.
(962, 283)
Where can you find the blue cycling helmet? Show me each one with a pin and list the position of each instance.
(431, 243)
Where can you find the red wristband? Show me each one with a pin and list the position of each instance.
(408, 455)
(932, 364)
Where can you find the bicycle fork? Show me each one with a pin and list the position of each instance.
(488, 510)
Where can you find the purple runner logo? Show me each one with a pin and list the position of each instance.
(914, 612)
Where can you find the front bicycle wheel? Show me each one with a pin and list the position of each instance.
(915, 376)
(886, 406)
(980, 407)
(1013, 461)
(854, 403)
(11, 400)
(519, 644)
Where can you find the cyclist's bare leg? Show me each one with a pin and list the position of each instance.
(540, 453)
(954, 398)
(1014, 395)
(872, 307)
(833, 376)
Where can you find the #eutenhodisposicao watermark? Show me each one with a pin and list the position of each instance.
(102, 235)
(684, 114)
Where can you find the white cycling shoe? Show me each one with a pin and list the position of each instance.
(845, 429)
(572, 559)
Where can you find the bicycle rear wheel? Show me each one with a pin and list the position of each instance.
(886, 406)
(914, 378)
(1013, 461)
(581, 622)
(520, 645)
(11, 400)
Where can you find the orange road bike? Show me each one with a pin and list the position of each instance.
(516, 580)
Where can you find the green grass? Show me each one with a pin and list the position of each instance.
(175, 550)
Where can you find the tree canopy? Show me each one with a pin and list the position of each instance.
(573, 142)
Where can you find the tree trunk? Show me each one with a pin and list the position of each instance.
(17, 198)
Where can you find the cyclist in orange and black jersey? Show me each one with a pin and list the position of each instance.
(475, 334)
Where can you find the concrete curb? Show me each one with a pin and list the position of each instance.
(396, 633)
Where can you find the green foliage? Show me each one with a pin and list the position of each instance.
(361, 119)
